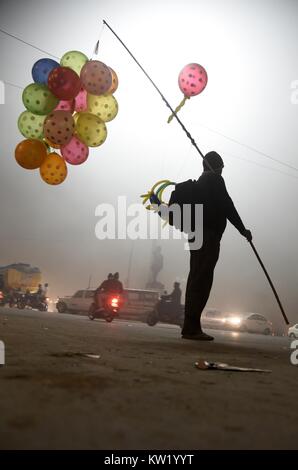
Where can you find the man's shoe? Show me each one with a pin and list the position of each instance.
(198, 337)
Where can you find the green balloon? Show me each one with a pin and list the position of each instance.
(75, 60)
(38, 99)
(31, 125)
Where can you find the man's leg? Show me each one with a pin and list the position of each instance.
(199, 283)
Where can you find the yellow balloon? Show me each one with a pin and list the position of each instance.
(53, 170)
(104, 106)
(91, 130)
(75, 60)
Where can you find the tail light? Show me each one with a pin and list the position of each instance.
(114, 302)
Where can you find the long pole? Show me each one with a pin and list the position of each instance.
(158, 91)
(270, 282)
(201, 154)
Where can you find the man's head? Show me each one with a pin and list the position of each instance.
(213, 162)
(110, 276)
(116, 276)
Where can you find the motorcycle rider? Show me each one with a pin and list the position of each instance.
(171, 303)
(45, 290)
(102, 290)
(27, 296)
(39, 297)
(39, 292)
(117, 286)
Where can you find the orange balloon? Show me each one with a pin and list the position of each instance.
(114, 85)
(53, 170)
(30, 154)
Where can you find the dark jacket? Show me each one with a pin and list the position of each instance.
(110, 285)
(174, 297)
(209, 190)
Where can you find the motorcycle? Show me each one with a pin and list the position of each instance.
(109, 308)
(165, 312)
(8, 298)
(13, 299)
(32, 301)
(2, 299)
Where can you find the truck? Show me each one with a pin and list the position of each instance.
(18, 276)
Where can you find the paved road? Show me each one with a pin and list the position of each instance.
(143, 391)
(262, 342)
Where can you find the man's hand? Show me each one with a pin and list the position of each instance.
(247, 234)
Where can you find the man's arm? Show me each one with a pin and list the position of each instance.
(231, 212)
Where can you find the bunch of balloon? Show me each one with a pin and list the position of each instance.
(192, 81)
(67, 108)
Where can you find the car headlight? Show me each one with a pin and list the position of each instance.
(235, 321)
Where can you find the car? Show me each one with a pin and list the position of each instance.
(78, 303)
(213, 319)
(247, 323)
(293, 331)
(137, 303)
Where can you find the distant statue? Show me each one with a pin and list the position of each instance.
(155, 268)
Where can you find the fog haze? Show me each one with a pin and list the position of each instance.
(250, 50)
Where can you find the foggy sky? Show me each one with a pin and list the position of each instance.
(250, 50)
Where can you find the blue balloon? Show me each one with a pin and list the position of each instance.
(42, 69)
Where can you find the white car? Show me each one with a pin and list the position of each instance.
(137, 303)
(78, 303)
(293, 331)
(212, 318)
(248, 322)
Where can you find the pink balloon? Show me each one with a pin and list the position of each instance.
(81, 101)
(75, 152)
(65, 105)
(192, 79)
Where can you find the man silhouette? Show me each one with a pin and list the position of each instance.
(174, 296)
(117, 285)
(218, 207)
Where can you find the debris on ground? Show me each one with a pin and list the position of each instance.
(206, 365)
(76, 354)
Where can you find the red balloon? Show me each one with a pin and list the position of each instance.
(64, 83)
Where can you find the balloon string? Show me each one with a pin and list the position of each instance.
(96, 47)
(178, 108)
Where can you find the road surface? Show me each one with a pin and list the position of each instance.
(143, 392)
